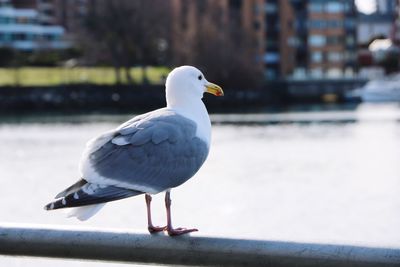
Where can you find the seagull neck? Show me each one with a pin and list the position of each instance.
(197, 112)
(190, 109)
(184, 105)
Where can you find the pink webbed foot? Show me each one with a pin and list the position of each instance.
(170, 230)
(179, 231)
(156, 229)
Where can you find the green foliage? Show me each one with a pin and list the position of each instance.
(44, 76)
(50, 58)
(44, 58)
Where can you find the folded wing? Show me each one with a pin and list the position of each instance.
(151, 154)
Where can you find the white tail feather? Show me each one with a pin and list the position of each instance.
(85, 212)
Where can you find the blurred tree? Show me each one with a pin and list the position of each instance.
(125, 33)
(218, 43)
(6, 56)
(10, 57)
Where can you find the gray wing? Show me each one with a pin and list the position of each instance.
(151, 154)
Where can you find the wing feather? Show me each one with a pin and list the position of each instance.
(151, 154)
(72, 189)
(90, 194)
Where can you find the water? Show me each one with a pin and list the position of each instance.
(321, 176)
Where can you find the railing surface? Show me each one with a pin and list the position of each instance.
(125, 246)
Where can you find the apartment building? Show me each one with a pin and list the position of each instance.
(307, 38)
(66, 13)
(396, 25)
(278, 53)
(332, 38)
(40, 24)
(21, 29)
(296, 39)
(379, 24)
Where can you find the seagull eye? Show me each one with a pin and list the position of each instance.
(200, 77)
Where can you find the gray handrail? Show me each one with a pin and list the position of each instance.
(126, 246)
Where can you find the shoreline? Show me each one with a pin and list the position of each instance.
(128, 98)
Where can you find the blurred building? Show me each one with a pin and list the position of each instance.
(325, 41)
(26, 29)
(396, 29)
(309, 39)
(296, 39)
(385, 6)
(279, 37)
(374, 26)
(44, 8)
(380, 24)
(66, 13)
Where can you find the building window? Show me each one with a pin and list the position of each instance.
(334, 24)
(316, 57)
(271, 8)
(316, 24)
(315, 7)
(350, 24)
(6, 20)
(322, 24)
(271, 73)
(271, 57)
(334, 7)
(22, 20)
(350, 40)
(299, 73)
(317, 40)
(5, 37)
(19, 37)
(293, 41)
(349, 72)
(335, 57)
(316, 72)
(350, 56)
(334, 73)
(334, 40)
(348, 7)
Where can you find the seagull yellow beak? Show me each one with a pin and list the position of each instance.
(214, 89)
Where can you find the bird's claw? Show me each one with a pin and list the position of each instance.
(179, 231)
(171, 231)
(155, 229)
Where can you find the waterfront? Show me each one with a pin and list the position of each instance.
(316, 176)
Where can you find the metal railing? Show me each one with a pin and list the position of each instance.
(125, 246)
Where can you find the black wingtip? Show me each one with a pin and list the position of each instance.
(49, 206)
(99, 195)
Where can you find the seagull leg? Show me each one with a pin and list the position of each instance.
(171, 231)
(152, 229)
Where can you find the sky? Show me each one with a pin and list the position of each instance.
(366, 6)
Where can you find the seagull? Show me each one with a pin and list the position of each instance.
(149, 154)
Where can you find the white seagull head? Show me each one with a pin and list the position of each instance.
(188, 83)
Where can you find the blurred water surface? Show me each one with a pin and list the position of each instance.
(315, 176)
